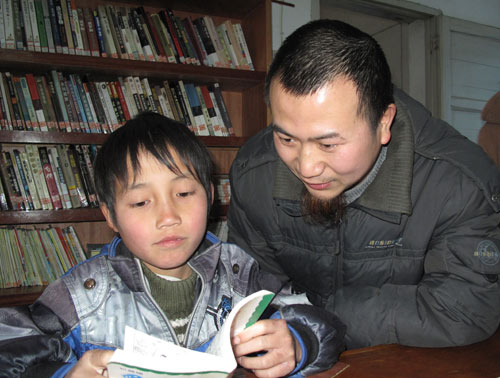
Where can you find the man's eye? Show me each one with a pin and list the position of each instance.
(328, 146)
(286, 140)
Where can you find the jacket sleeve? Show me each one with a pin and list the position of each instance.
(322, 334)
(457, 301)
(31, 339)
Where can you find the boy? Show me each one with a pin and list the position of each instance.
(163, 274)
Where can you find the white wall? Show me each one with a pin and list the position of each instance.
(486, 12)
(286, 19)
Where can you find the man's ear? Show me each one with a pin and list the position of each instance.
(109, 219)
(384, 127)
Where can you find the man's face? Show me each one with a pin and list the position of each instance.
(322, 138)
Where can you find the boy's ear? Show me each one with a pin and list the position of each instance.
(107, 214)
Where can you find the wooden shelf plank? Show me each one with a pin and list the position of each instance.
(38, 62)
(51, 216)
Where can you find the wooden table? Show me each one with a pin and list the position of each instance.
(480, 360)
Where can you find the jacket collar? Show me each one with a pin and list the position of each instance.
(202, 262)
(389, 195)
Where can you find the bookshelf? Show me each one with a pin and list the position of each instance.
(242, 91)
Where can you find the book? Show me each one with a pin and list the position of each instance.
(37, 103)
(68, 28)
(184, 101)
(69, 176)
(50, 178)
(16, 82)
(8, 16)
(29, 102)
(10, 183)
(62, 188)
(54, 24)
(28, 32)
(207, 106)
(168, 22)
(111, 50)
(116, 31)
(196, 109)
(18, 120)
(40, 23)
(88, 18)
(48, 26)
(147, 356)
(241, 38)
(219, 100)
(195, 40)
(164, 38)
(38, 176)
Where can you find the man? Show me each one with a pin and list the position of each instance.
(380, 213)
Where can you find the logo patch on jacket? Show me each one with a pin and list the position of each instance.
(487, 252)
(222, 311)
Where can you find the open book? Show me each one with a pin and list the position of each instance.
(145, 356)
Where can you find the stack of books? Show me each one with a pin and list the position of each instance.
(47, 177)
(32, 257)
(59, 26)
(75, 103)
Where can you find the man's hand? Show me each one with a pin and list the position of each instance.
(271, 336)
(92, 364)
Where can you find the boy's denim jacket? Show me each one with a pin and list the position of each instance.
(90, 306)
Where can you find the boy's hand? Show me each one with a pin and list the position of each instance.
(271, 336)
(92, 364)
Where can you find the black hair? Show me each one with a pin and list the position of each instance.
(320, 51)
(161, 137)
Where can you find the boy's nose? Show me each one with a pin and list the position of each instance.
(167, 215)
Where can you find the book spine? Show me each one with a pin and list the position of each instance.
(116, 32)
(87, 179)
(130, 82)
(185, 99)
(80, 187)
(68, 104)
(54, 23)
(98, 107)
(126, 34)
(21, 179)
(195, 40)
(68, 27)
(29, 103)
(59, 177)
(212, 32)
(26, 22)
(164, 16)
(196, 109)
(146, 48)
(201, 28)
(40, 24)
(100, 34)
(50, 178)
(22, 103)
(19, 32)
(106, 32)
(51, 47)
(206, 114)
(28, 174)
(10, 175)
(222, 107)
(16, 108)
(8, 13)
(54, 97)
(38, 176)
(37, 103)
(155, 38)
(246, 52)
(75, 27)
(91, 31)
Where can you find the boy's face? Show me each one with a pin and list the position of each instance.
(161, 216)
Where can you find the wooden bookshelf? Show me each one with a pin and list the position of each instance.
(243, 92)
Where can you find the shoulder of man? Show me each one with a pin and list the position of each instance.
(436, 139)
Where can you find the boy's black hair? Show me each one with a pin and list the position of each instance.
(322, 50)
(158, 135)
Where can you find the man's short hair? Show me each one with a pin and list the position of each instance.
(320, 51)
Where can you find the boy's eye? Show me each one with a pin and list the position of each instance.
(184, 194)
(139, 204)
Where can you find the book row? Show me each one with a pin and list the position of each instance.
(59, 26)
(76, 103)
(47, 177)
(32, 257)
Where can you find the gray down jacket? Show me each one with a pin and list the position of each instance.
(416, 259)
